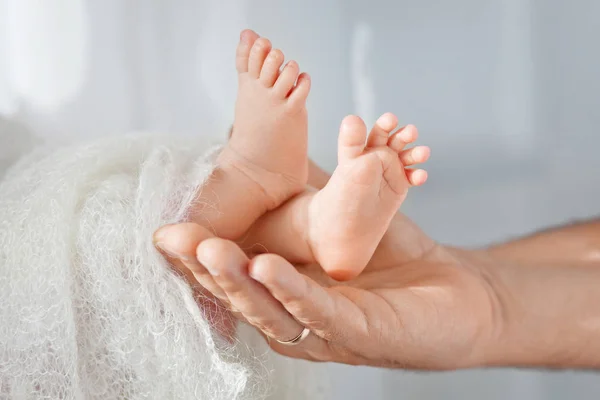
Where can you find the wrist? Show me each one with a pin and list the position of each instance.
(549, 317)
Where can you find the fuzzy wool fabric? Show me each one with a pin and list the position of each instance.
(90, 310)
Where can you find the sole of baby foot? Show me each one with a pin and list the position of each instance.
(349, 217)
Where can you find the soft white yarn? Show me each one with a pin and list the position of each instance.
(88, 308)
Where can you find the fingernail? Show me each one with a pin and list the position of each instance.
(170, 252)
(254, 271)
(211, 270)
(255, 275)
(206, 263)
(233, 309)
(160, 233)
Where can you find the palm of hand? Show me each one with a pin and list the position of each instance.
(433, 310)
(416, 305)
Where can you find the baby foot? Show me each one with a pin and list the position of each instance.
(348, 218)
(270, 132)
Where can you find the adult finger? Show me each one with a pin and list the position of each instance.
(179, 241)
(328, 313)
(229, 267)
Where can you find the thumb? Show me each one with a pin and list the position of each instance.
(325, 311)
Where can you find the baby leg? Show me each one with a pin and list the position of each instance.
(265, 161)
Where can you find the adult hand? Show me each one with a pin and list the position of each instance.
(417, 305)
(412, 306)
(178, 244)
(424, 310)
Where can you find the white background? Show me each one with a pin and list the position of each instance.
(506, 93)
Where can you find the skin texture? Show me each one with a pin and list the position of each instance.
(417, 305)
(340, 226)
(575, 244)
(270, 131)
(265, 163)
(259, 168)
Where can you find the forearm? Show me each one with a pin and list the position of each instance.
(575, 244)
(548, 317)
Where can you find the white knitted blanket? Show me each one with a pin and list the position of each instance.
(89, 309)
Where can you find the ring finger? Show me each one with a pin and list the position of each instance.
(229, 266)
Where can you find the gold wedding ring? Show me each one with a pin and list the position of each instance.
(305, 332)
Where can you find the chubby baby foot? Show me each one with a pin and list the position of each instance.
(264, 162)
(348, 218)
(269, 139)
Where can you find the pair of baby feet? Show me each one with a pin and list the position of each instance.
(346, 220)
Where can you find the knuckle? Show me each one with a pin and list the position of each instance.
(319, 325)
(267, 325)
(227, 274)
(265, 266)
(332, 335)
(296, 300)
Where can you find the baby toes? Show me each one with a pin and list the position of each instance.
(416, 155)
(258, 53)
(381, 130)
(271, 67)
(242, 56)
(399, 140)
(300, 92)
(351, 140)
(416, 177)
(287, 79)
